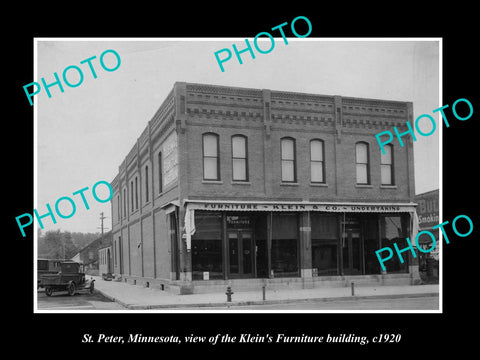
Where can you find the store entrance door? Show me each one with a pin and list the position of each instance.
(240, 254)
(352, 246)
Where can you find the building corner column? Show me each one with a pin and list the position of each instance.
(185, 256)
(306, 271)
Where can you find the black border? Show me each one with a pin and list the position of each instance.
(422, 334)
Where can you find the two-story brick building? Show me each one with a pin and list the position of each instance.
(244, 186)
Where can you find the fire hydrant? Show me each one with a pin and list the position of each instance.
(229, 294)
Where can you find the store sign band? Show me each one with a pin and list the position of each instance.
(235, 206)
(191, 206)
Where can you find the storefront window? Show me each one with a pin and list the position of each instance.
(324, 244)
(261, 245)
(391, 231)
(285, 245)
(207, 247)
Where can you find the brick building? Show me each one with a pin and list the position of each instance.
(247, 186)
(105, 259)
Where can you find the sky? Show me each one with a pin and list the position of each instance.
(84, 133)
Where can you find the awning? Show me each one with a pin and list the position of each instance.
(170, 206)
(219, 205)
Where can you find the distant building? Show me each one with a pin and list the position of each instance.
(230, 183)
(428, 216)
(105, 265)
(89, 255)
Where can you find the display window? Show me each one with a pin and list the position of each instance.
(207, 249)
(324, 244)
(392, 231)
(284, 251)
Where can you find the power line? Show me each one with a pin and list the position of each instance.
(101, 220)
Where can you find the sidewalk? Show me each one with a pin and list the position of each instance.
(136, 297)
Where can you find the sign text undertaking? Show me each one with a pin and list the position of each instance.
(301, 207)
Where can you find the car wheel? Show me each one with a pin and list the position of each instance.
(48, 291)
(71, 289)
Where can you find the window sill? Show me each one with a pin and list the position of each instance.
(289, 184)
(364, 186)
(212, 182)
(319, 184)
(388, 186)
(240, 183)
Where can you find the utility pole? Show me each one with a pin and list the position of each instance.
(102, 228)
(101, 219)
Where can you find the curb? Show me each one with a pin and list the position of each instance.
(111, 298)
(262, 302)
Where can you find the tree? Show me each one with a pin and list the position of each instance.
(69, 247)
(83, 239)
(52, 245)
(56, 244)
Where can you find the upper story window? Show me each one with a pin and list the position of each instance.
(317, 163)
(211, 158)
(289, 167)
(146, 183)
(124, 202)
(115, 251)
(131, 194)
(160, 178)
(386, 166)
(239, 158)
(118, 208)
(362, 163)
(136, 193)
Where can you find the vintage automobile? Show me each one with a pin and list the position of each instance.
(70, 278)
(47, 266)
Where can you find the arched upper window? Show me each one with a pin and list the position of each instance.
(288, 156)
(239, 158)
(317, 163)
(124, 202)
(362, 163)
(211, 157)
(136, 193)
(131, 194)
(386, 165)
(118, 208)
(160, 173)
(146, 183)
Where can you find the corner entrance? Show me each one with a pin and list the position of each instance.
(240, 254)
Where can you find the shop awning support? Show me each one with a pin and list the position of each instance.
(189, 227)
